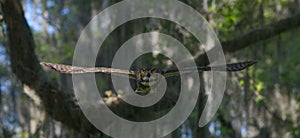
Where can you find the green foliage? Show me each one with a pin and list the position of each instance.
(2, 69)
(278, 58)
(295, 131)
(241, 82)
(225, 131)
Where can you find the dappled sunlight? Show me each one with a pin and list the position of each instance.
(149, 68)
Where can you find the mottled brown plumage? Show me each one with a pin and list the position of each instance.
(143, 75)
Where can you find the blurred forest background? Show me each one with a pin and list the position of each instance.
(262, 101)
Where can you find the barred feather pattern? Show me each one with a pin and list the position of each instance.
(233, 67)
(228, 67)
(77, 70)
(239, 66)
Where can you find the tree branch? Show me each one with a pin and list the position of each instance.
(26, 67)
(255, 36)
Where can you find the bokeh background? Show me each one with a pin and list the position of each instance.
(261, 101)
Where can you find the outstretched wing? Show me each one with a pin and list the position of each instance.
(132, 74)
(228, 67)
(77, 70)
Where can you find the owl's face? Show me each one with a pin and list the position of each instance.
(143, 76)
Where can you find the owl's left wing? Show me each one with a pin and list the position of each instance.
(228, 67)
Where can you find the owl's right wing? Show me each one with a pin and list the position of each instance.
(67, 69)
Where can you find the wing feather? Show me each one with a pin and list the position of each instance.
(228, 67)
(132, 74)
(67, 69)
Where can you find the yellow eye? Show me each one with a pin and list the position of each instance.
(143, 72)
(153, 71)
